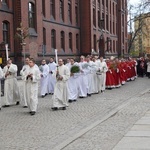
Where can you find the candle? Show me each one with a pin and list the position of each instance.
(6, 46)
(56, 57)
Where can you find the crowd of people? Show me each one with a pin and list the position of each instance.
(91, 75)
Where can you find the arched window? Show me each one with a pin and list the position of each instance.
(53, 39)
(77, 42)
(5, 4)
(6, 32)
(62, 36)
(69, 11)
(70, 41)
(44, 41)
(62, 10)
(94, 42)
(76, 12)
(52, 8)
(44, 36)
(31, 13)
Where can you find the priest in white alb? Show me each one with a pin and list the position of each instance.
(73, 87)
(32, 76)
(44, 78)
(51, 80)
(23, 89)
(60, 97)
(102, 67)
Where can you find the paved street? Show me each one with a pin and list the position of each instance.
(95, 123)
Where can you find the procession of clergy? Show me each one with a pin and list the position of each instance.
(93, 77)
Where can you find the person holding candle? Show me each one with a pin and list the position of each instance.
(11, 90)
(60, 97)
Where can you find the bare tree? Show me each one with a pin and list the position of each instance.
(136, 14)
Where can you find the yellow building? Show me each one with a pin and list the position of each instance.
(142, 28)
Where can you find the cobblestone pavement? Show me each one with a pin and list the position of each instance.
(47, 129)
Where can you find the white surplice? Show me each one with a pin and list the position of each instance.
(32, 87)
(44, 79)
(51, 81)
(60, 97)
(102, 66)
(23, 88)
(73, 85)
(83, 79)
(11, 90)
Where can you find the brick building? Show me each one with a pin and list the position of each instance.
(73, 27)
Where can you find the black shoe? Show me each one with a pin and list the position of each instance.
(32, 113)
(70, 101)
(17, 103)
(54, 108)
(89, 95)
(43, 96)
(63, 108)
(0, 108)
(81, 97)
(74, 100)
(25, 106)
(6, 106)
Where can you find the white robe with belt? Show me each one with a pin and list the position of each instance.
(11, 90)
(60, 97)
(32, 87)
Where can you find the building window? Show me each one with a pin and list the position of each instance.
(52, 8)
(107, 3)
(114, 47)
(107, 24)
(98, 3)
(94, 17)
(94, 42)
(99, 19)
(43, 7)
(77, 41)
(44, 36)
(103, 2)
(53, 39)
(113, 27)
(44, 41)
(76, 14)
(62, 36)
(69, 11)
(5, 4)
(31, 11)
(6, 32)
(70, 41)
(62, 10)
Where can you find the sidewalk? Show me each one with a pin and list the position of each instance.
(138, 138)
